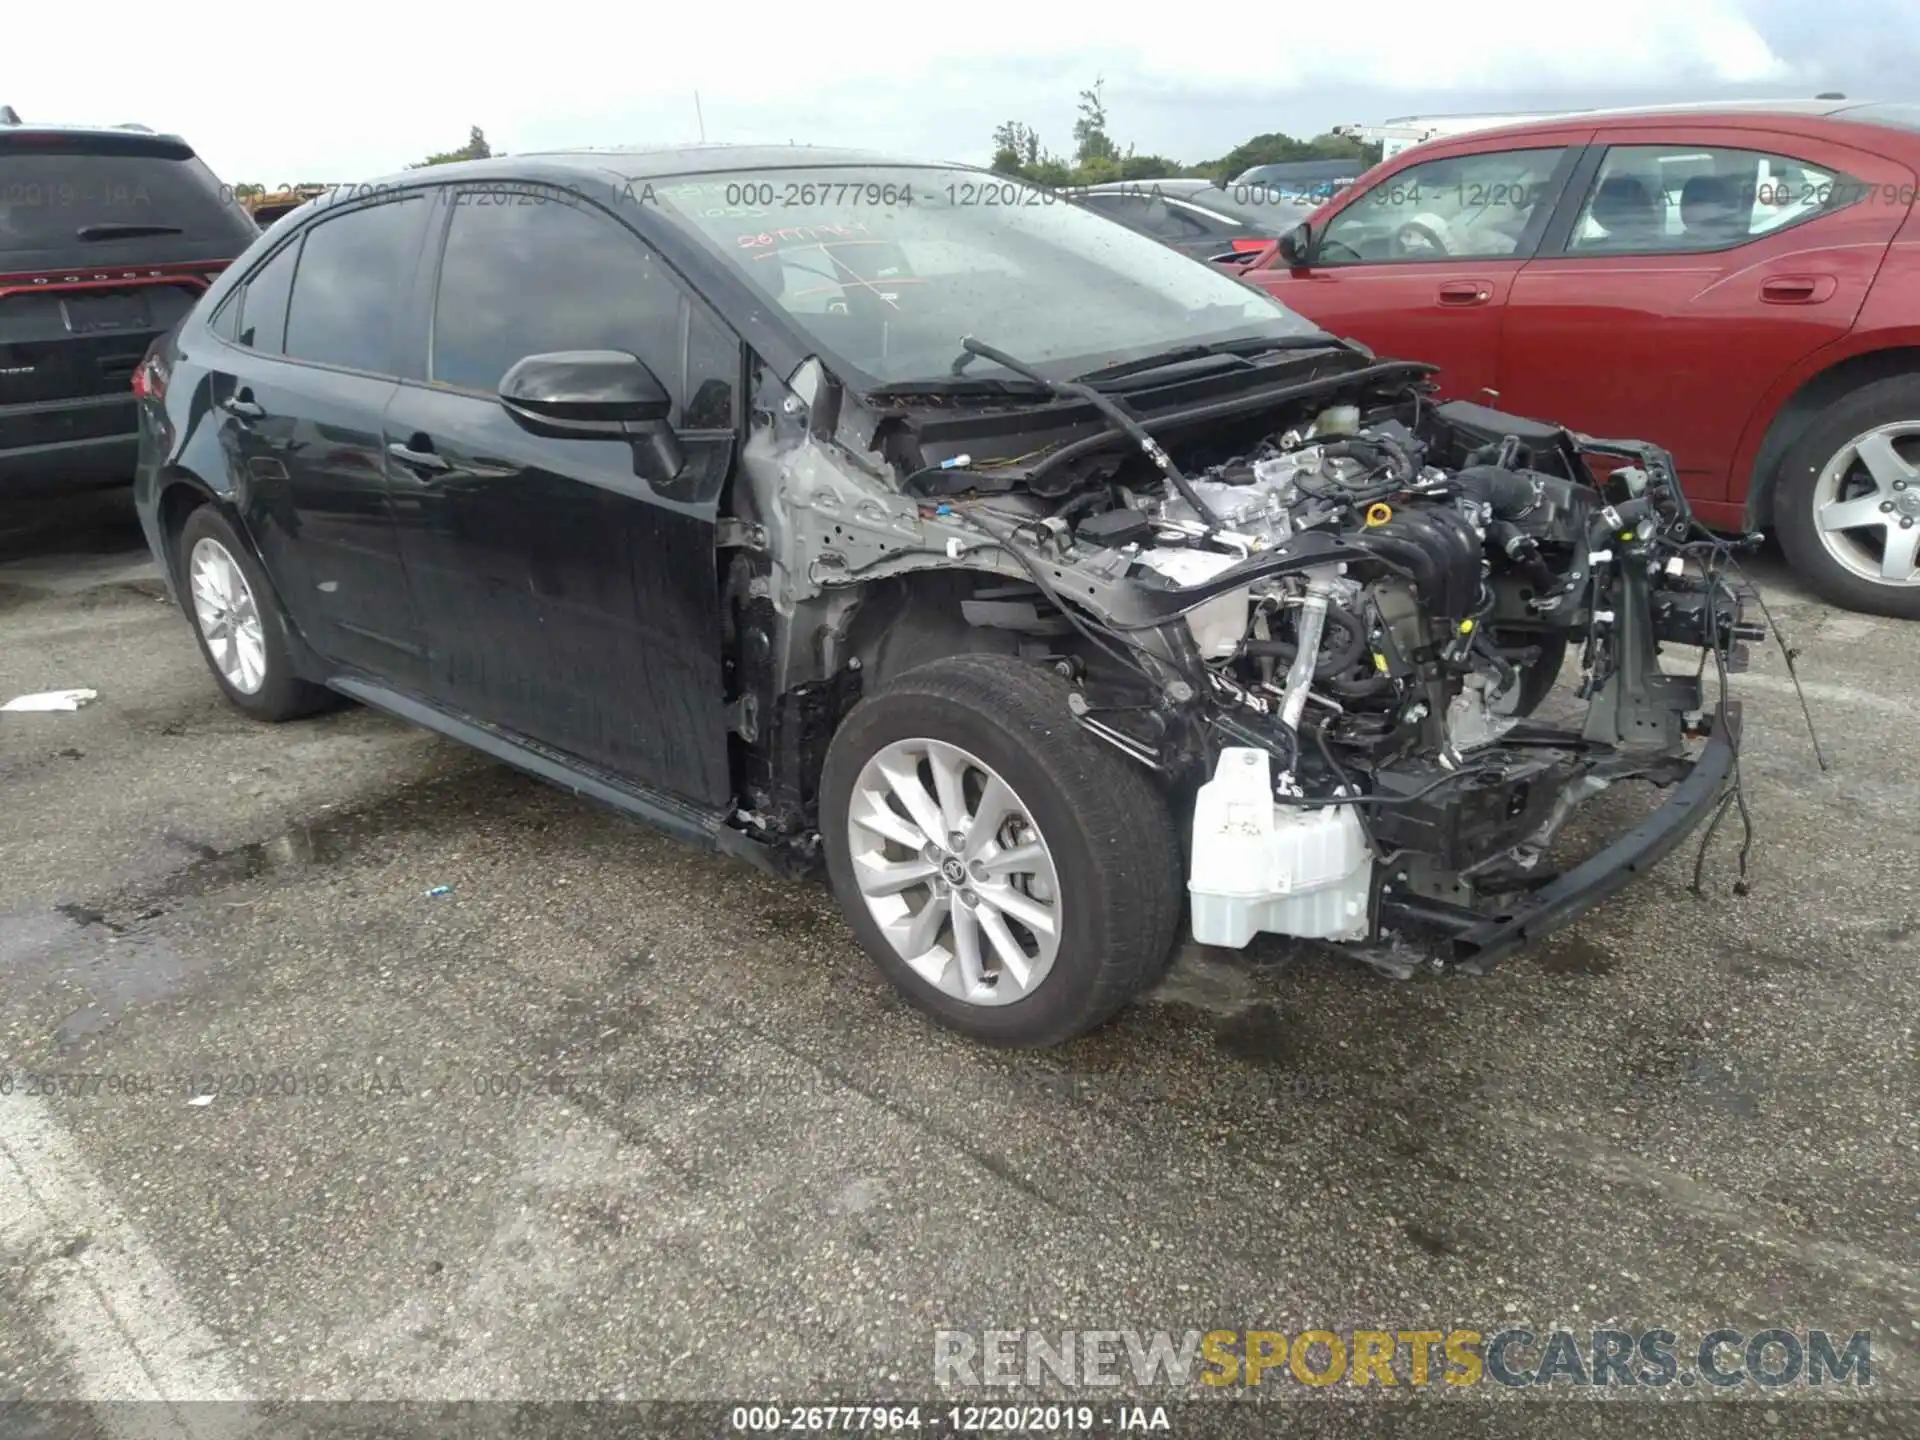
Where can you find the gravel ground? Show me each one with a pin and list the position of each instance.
(611, 1118)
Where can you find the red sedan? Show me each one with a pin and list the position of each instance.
(1740, 284)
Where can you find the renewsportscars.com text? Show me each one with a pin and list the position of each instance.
(1513, 1356)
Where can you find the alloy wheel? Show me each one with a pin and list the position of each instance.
(1866, 504)
(955, 872)
(228, 616)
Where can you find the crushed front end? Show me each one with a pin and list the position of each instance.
(1326, 612)
(1365, 641)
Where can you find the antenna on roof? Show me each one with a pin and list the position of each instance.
(702, 119)
(1830, 95)
(10, 116)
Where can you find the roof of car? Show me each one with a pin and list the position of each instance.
(643, 163)
(35, 127)
(1738, 112)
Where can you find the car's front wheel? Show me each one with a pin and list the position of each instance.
(242, 633)
(1848, 505)
(1012, 876)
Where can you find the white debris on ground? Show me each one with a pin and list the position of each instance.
(52, 700)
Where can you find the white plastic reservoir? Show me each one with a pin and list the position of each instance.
(1284, 869)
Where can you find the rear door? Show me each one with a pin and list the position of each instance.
(1688, 269)
(106, 240)
(564, 597)
(1417, 262)
(299, 390)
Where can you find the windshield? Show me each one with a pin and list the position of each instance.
(888, 269)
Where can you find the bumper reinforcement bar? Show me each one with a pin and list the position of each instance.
(1475, 942)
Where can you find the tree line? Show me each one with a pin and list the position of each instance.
(1096, 158)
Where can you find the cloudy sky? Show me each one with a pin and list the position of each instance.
(354, 89)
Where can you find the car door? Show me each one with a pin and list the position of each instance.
(565, 598)
(1418, 263)
(299, 389)
(1689, 268)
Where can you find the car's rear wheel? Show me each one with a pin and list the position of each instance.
(1010, 875)
(242, 634)
(1847, 509)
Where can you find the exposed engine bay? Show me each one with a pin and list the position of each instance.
(1324, 619)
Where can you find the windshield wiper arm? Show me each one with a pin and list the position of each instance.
(114, 230)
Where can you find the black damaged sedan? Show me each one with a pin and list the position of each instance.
(1056, 592)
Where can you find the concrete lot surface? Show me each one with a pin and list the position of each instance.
(612, 1118)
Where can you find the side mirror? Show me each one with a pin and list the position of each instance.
(596, 395)
(1296, 246)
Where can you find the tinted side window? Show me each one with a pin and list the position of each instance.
(262, 304)
(1681, 197)
(528, 271)
(354, 269)
(1150, 214)
(1459, 206)
(1199, 221)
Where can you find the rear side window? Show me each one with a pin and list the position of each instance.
(351, 284)
(58, 196)
(1150, 214)
(527, 271)
(262, 305)
(1666, 199)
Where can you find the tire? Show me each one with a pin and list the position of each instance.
(1824, 471)
(1114, 898)
(249, 654)
(1537, 679)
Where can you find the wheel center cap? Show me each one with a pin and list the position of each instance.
(1907, 502)
(954, 871)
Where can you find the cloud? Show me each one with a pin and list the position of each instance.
(359, 88)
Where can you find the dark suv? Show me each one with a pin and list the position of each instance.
(682, 479)
(106, 239)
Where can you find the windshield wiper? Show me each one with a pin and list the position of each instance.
(1236, 349)
(115, 230)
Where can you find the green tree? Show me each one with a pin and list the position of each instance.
(1275, 148)
(1016, 145)
(476, 148)
(1090, 138)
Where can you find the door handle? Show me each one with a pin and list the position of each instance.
(1797, 289)
(1465, 292)
(417, 459)
(243, 409)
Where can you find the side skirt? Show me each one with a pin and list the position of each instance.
(703, 827)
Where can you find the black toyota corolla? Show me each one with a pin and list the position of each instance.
(1040, 581)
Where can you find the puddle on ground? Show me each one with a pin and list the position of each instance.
(1259, 1035)
(1574, 955)
(77, 950)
